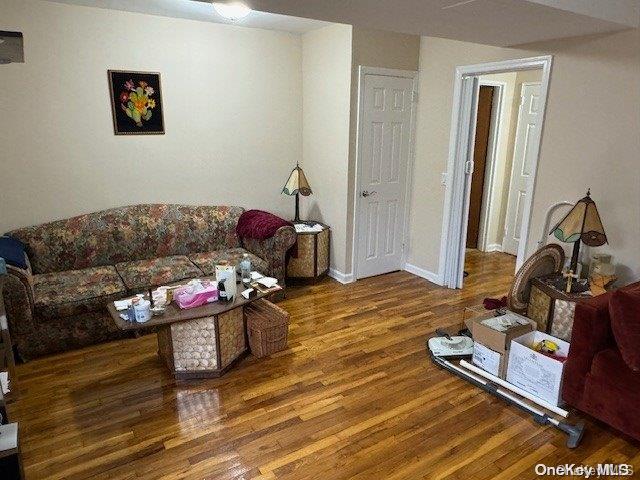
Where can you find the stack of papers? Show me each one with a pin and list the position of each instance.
(122, 304)
(256, 275)
(504, 322)
(304, 228)
(4, 382)
(268, 282)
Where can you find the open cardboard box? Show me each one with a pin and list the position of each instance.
(535, 372)
(491, 346)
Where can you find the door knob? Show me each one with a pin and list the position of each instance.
(366, 193)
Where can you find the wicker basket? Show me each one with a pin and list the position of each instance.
(267, 327)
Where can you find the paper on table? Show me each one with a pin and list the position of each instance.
(122, 304)
(245, 293)
(256, 275)
(4, 382)
(268, 281)
(304, 228)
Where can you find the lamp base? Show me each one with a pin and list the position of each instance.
(577, 286)
(296, 219)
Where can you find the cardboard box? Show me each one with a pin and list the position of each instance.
(478, 312)
(493, 362)
(534, 372)
(487, 331)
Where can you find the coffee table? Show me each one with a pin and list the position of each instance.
(200, 342)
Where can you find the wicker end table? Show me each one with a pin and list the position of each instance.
(311, 260)
(553, 309)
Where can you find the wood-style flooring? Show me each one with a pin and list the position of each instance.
(354, 396)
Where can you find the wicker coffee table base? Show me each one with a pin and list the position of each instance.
(204, 347)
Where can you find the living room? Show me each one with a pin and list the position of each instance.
(238, 103)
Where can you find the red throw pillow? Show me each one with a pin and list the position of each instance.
(624, 309)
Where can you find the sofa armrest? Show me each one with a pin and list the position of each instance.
(17, 294)
(273, 250)
(591, 334)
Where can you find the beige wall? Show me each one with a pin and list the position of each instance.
(233, 113)
(329, 162)
(373, 48)
(326, 80)
(590, 139)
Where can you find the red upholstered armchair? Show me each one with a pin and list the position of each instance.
(597, 379)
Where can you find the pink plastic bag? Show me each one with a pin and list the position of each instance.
(184, 299)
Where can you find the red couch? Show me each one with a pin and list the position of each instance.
(597, 379)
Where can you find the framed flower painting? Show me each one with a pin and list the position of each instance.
(136, 103)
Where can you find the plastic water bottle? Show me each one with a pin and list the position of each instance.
(245, 269)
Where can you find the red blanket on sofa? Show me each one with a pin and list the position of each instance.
(259, 224)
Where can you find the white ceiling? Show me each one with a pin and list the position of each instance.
(493, 22)
(194, 10)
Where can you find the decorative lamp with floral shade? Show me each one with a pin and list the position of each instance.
(581, 224)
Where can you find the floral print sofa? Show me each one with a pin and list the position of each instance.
(76, 266)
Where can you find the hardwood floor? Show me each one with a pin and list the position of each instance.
(354, 396)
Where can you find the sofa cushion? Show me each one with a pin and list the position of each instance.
(74, 292)
(206, 261)
(612, 393)
(127, 234)
(624, 309)
(144, 274)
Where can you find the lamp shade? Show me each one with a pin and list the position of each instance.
(582, 223)
(297, 183)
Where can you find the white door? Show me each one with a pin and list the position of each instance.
(385, 127)
(523, 161)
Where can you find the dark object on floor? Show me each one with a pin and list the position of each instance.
(465, 274)
(597, 379)
(575, 432)
(494, 303)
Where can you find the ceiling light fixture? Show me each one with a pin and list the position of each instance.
(232, 11)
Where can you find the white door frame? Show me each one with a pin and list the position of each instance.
(456, 206)
(388, 72)
(494, 147)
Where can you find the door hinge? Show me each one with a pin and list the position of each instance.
(468, 167)
(414, 96)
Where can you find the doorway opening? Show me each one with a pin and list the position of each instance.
(496, 132)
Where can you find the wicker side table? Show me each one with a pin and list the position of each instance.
(552, 309)
(203, 347)
(311, 261)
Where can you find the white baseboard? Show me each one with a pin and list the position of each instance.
(421, 272)
(341, 277)
(494, 247)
